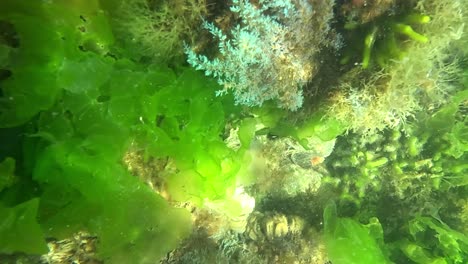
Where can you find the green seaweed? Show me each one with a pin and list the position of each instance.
(85, 109)
(19, 229)
(433, 241)
(348, 241)
(7, 173)
(419, 173)
(382, 40)
(79, 105)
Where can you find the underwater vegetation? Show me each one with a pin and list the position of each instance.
(268, 56)
(381, 38)
(423, 77)
(432, 148)
(82, 111)
(378, 30)
(155, 30)
(193, 131)
(349, 241)
(421, 174)
(69, 177)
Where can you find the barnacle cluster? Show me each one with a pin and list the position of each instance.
(81, 248)
(281, 238)
(271, 226)
(270, 237)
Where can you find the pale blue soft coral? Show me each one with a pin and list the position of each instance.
(264, 59)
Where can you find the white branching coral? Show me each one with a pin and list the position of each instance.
(269, 55)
